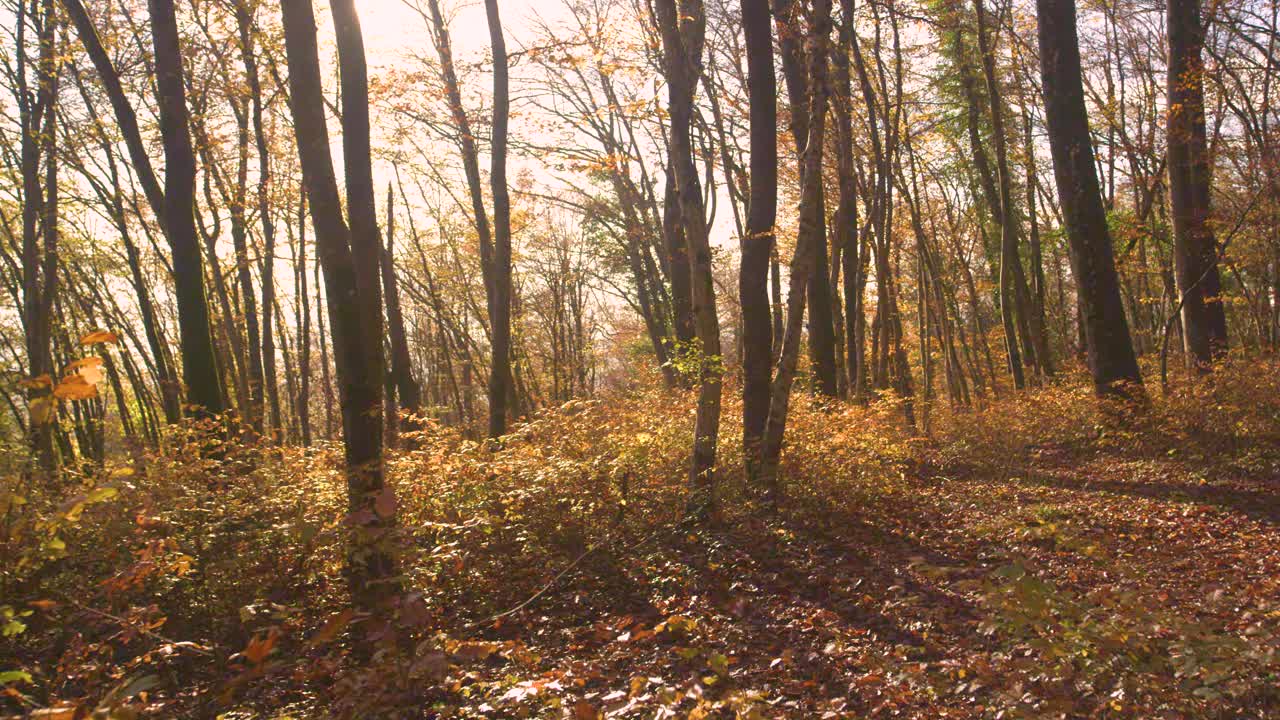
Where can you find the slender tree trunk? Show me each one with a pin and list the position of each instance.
(244, 25)
(407, 390)
(199, 368)
(38, 118)
(758, 243)
(846, 217)
(682, 29)
(500, 387)
(302, 403)
(821, 328)
(1204, 321)
(350, 262)
(679, 273)
(1014, 298)
(244, 274)
(807, 241)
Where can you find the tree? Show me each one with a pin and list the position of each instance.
(244, 28)
(495, 240)
(821, 329)
(808, 243)
(1015, 298)
(757, 244)
(404, 389)
(498, 272)
(349, 259)
(1110, 349)
(1204, 320)
(682, 28)
(37, 113)
(199, 368)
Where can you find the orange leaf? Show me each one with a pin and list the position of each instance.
(334, 626)
(100, 336)
(75, 387)
(385, 504)
(259, 647)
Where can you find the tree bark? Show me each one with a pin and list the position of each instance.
(807, 246)
(244, 25)
(758, 243)
(199, 368)
(821, 326)
(1110, 349)
(1204, 319)
(351, 283)
(500, 387)
(682, 28)
(409, 394)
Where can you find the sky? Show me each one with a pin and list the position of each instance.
(394, 31)
(392, 27)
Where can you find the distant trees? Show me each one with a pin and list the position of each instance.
(649, 226)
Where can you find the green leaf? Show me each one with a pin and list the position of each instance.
(10, 676)
(101, 494)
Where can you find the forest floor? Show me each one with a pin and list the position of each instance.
(892, 608)
(1041, 557)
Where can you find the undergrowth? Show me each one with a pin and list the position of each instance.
(175, 586)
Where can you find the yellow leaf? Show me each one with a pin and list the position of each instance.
(42, 409)
(58, 713)
(89, 368)
(335, 625)
(40, 381)
(385, 503)
(85, 362)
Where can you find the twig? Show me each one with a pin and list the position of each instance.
(143, 631)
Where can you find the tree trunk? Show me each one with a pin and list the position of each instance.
(407, 390)
(757, 244)
(1204, 321)
(683, 29)
(199, 368)
(500, 387)
(821, 330)
(302, 402)
(807, 242)
(244, 25)
(350, 263)
(1110, 350)
(38, 118)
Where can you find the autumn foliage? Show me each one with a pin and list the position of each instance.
(1043, 556)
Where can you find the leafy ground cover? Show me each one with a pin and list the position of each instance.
(1040, 557)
